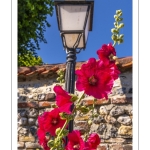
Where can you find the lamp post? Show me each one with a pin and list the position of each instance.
(74, 19)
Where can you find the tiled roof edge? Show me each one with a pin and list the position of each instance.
(124, 64)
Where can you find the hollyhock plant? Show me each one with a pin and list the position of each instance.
(94, 80)
(63, 99)
(50, 121)
(75, 141)
(106, 54)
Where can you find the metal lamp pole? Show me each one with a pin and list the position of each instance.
(74, 19)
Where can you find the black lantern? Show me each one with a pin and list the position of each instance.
(74, 21)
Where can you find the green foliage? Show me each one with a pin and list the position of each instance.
(32, 23)
(29, 60)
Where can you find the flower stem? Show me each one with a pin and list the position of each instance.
(114, 44)
(78, 101)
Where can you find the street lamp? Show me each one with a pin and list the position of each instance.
(74, 19)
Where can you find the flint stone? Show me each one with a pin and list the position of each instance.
(35, 96)
(110, 119)
(121, 91)
(81, 126)
(30, 96)
(23, 131)
(117, 110)
(22, 98)
(110, 132)
(48, 89)
(109, 107)
(32, 145)
(125, 120)
(98, 119)
(41, 97)
(103, 110)
(50, 96)
(128, 109)
(125, 130)
(33, 130)
(23, 121)
(32, 113)
(101, 128)
(20, 144)
(31, 121)
(113, 131)
(116, 84)
(94, 127)
(22, 113)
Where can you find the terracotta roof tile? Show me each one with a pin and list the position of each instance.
(24, 73)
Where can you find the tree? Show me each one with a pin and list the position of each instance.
(29, 60)
(32, 23)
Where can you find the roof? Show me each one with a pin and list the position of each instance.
(50, 71)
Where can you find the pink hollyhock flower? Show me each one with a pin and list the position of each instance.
(63, 99)
(94, 80)
(113, 69)
(42, 139)
(93, 141)
(106, 53)
(50, 121)
(41, 119)
(75, 141)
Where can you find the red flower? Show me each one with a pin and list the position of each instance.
(41, 119)
(75, 141)
(93, 141)
(50, 121)
(63, 99)
(42, 139)
(95, 80)
(113, 69)
(106, 54)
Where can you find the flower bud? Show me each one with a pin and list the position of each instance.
(57, 131)
(121, 25)
(118, 11)
(120, 41)
(121, 36)
(54, 106)
(63, 81)
(58, 79)
(84, 109)
(65, 132)
(50, 143)
(115, 16)
(61, 76)
(63, 116)
(114, 37)
(120, 14)
(115, 24)
(113, 30)
(74, 97)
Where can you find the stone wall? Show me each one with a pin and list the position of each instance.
(114, 123)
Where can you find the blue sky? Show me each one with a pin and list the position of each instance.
(103, 22)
